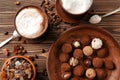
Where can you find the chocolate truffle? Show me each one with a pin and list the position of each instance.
(90, 73)
(97, 62)
(75, 78)
(65, 67)
(78, 70)
(88, 62)
(73, 61)
(67, 48)
(76, 44)
(85, 40)
(78, 53)
(96, 43)
(66, 75)
(109, 64)
(102, 53)
(101, 74)
(87, 50)
(63, 57)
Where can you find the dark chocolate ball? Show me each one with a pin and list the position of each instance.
(88, 63)
(102, 53)
(78, 53)
(85, 40)
(63, 57)
(78, 70)
(67, 48)
(65, 67)
(101, 74)
(97, 62)
(109, 64)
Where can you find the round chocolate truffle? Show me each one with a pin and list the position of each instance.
(90, 73)
(97, 62)
(102, 53)
(109, 64)
(85, 40)
(67, 48)
(88, 63)
(78, 53)
(65, 67)
(76, 44)
(101, 74)
(87, 50)
(66, 75)
(63, 57)
(96, 43)
(78, 70)
(75, 78)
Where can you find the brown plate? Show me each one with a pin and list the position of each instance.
(53, 64)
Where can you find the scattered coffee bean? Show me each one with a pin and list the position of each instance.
(6, 33)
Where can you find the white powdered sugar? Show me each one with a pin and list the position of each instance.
(76, 6)
(29, 22)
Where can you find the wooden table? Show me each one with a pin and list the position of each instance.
(8, 9)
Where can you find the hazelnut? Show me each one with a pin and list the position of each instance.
(88, 63)
(76, 44)
(17, 3)
(96, 43)
(90, 73)
(97, 62)
(66, 75)
(73, 61)
(87, 50)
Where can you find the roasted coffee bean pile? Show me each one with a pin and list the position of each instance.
(85, 58)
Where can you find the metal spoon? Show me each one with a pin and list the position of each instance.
(97, 18)
(15, 35)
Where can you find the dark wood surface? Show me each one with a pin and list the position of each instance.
(8, 9)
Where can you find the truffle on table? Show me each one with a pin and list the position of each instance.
(78, 70)
(63, 57)
(87, 50)
(109, 64)
(97, 62)
(65, 67)
(102, 53)
(67, 48)
(96, 43)
(78, 53)
(101, 73)
(85, 40)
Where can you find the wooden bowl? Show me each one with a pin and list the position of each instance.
(23, 57)
(45, 21)
(66, 16)
(53, 64)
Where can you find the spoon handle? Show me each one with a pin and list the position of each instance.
(6, 41)
(110, 13)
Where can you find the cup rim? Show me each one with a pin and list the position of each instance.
(45, 16)
(78, 13)
(27, 59)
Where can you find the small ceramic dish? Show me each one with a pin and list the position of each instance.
(18, 67)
